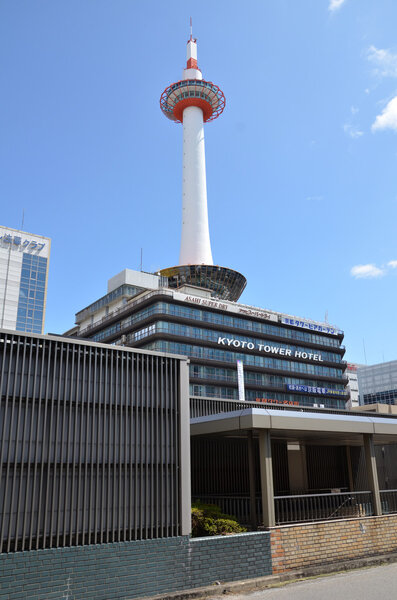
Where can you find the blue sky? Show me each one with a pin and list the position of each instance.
(301, 166)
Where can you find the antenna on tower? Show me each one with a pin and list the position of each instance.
(191, 28)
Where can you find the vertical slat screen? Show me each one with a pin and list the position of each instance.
(90, 443)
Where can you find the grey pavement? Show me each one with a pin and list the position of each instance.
(374, 583)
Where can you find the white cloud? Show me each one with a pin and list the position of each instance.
(354, 110)
(366, 271)
(335, 4)
(314, 198)
(388, 118)
(392, 264)
(353, 132)
(384, 60)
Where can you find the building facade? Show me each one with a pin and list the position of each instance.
(378, 383)
(24, 259)
(286, 360)
(351, 373)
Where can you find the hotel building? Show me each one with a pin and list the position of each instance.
(287, 360)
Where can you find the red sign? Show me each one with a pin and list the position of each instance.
(273, 401)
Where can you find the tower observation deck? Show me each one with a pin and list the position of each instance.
(193, 101)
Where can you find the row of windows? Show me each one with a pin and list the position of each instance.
(123, 290)
(212, 336)
(230, 375)
(248, 359)
(32, 285)
(194, 95)
(195, 82)
(228, 321)
(29, 325)
(38, 273)
(32, 259)
(30, 312)
(105, 332)
(28, 295)
(386, 397)
(212, 391)
(28, 328)
(36, 279)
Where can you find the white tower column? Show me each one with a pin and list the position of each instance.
(195, 242)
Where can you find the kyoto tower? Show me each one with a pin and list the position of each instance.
(193, 101)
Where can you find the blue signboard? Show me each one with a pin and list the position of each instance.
(312, 326)
(309, 389)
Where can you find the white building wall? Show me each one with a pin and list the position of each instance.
(10, 271)
(137, 278)
(351, 373)
(13, 245)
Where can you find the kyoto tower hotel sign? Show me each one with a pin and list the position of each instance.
(192, 102)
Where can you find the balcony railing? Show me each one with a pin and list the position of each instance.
(124, 309)
(322, 507)
(388, 501)
(202, 406)
(303, 507)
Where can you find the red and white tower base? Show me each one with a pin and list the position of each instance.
(194, 101)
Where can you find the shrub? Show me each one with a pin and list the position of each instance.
(208, 519)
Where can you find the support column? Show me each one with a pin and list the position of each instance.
(265, 461)
(251, 470)
(372, 473)
(184, 457)
(297, 468)
(349, 469)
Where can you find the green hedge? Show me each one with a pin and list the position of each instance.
(207, 519)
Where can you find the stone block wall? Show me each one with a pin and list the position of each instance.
(229, 558)
(303, 545)
(127, 570)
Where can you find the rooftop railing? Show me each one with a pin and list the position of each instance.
(125, 308)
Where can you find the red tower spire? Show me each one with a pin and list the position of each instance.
(192, 90)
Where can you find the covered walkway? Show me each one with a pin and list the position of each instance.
(298, 430)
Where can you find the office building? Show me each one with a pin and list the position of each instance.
(24, 259)
(378, 383)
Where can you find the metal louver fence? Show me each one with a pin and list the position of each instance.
(94, 444)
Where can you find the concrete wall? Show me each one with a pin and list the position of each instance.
(128, 570)
(304, 545)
